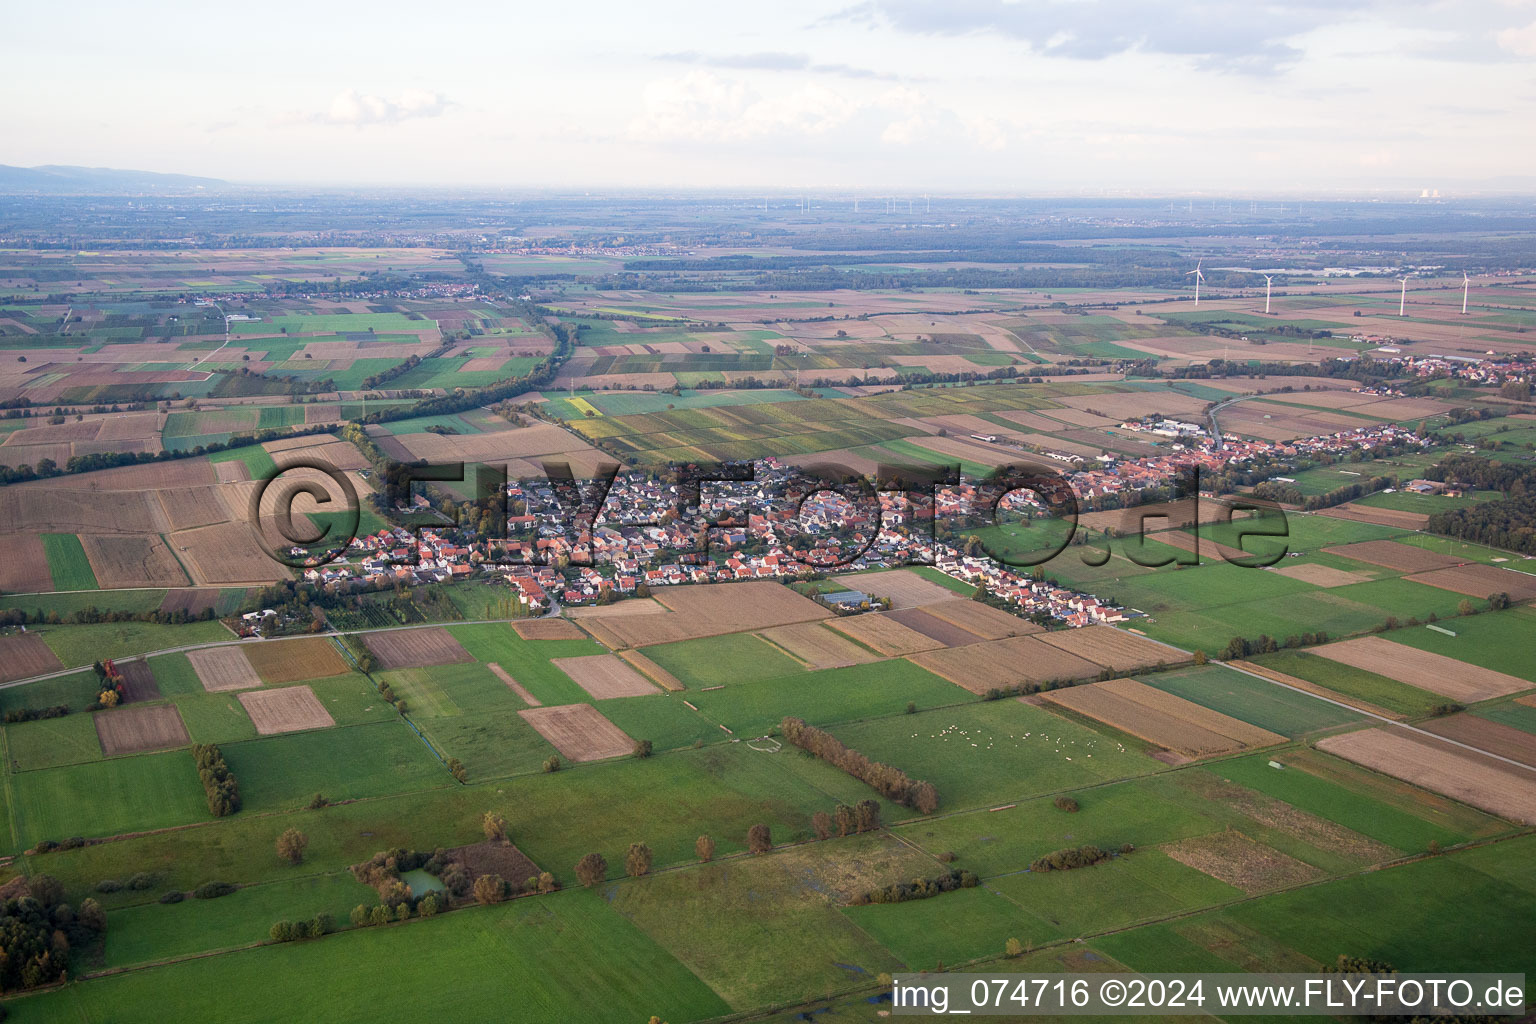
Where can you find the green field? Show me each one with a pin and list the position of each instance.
(103, 798)
(85, 643)
(731, 659)
(52, 742)
(994, 751)
(67, 563)
(345, 978)
(345, 763)
(831, 695)
(1252, 700)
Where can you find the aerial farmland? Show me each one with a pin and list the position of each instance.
(748, 746)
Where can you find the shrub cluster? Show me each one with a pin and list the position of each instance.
(213, 890)
(1069, 858)
(920, 888)
(218, 782)
(892, 783)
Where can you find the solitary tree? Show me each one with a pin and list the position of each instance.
(759, 839)
(643, 748)
(638, 860)
(591, 869)
(495, 826)
(91, 915)
(1013, 947)
(705, 848)
(291, 845)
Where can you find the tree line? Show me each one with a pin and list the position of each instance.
(891, 783)
(219, 783)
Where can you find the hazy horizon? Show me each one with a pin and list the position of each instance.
(1028, 97)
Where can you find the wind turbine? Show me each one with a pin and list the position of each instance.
(1402, 300)
(1198, 278)
(1465, 283)
(1268, 280)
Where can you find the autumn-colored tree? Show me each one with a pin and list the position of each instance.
(591, 869)
(638, 860)
(759, 839)
(1013, 947)
(490, 889)
(821, 821)
(847, 820)
(705, 848)
(494, 826)
(1200, 658)
(291, 845)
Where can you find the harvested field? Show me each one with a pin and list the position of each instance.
(1499, 789)
(138, 681)
(132, 561)
(648, 668)
(540, 439)
(1379, 516)
(223, 668)
(1002, 663)
(1475, 580)
(338, 454)
(982, 619)
(1392, 555)
(548, 629)
(288, 661)
(1167, 515)
(31, 508)
(23, 565)
(1234, 858)
(513, 685)
(624, 609)
(579, 732)
(905, 588)
(1494, 737)
(188, 507)
(495, 857)
(191, 601)
(1310, 687)
(25, 655)
(1113, 648)
(226, 553)
(232, 472)
(290, 709)
(604, 676)
(947, 633)
(132, 730)
(817, 646)
(416, 648)
(877, 630)
(707, 610)
(1321, 575)
(1161, 718)
(1433, 672)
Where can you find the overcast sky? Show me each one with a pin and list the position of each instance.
(1021, 96)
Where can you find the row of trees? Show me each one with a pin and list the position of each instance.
(219, 783)
(892, 783)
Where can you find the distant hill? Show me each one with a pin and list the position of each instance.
(55, 177)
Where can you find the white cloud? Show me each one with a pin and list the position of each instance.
(702, 106)
(1519, 41)
(358, 109)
